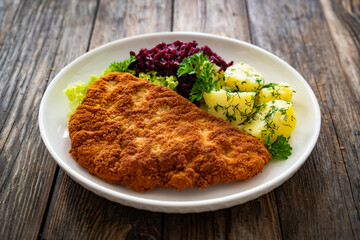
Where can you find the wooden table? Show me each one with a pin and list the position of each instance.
(319, 38)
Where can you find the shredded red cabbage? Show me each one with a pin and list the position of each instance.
(165, 59)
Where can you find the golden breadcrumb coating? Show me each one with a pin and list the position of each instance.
(132, 132)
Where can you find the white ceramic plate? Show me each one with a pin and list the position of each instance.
(53, 125)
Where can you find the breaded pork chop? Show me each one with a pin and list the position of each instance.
(132, 132)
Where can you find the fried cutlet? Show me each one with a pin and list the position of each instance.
(132, 132)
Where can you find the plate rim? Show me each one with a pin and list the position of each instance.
(179, 206)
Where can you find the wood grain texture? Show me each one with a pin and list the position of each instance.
(208, 225)
(116, 20)
(220, 17)
(257, 219)
(76, 213)
(26, 168)
(325, 192)
(344, 26)
(87, 216)
(7, 9)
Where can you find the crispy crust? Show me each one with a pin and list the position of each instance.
(129, 131)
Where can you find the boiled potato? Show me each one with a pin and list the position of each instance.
(233, 107)
(242, 77)
(275, 91)
(272, 118)
(218, 76)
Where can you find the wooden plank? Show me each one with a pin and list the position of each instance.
(322, 200)
(345, 31)
(208, 225)
(225, 18)
(29, 47)
(343, 19)
(127, 18)
(256, 219)
(7, 10)
(76, 213)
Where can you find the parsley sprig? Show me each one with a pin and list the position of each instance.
(121, 66)
(280, 147)
(199, 65)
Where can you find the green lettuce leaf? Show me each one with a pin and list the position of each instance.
(76, 93)
(167, 81)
